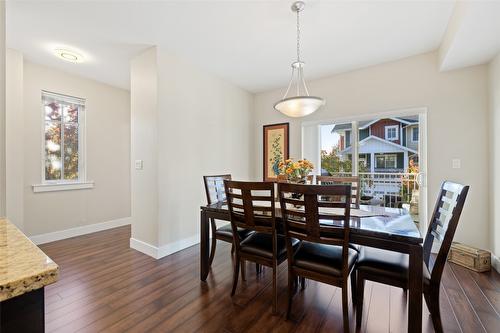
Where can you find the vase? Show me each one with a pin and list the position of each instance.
(297, 180)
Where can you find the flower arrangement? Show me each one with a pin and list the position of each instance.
(409, 182)
(295, 171)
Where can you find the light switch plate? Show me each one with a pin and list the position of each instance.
(139, 164)
(456, 163)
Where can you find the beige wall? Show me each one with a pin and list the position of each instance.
(107, 153)
(2, 108)
(201, 126)
(144, 112)
(494, 121)
(15, 139)
(203, 129)
(457, 103)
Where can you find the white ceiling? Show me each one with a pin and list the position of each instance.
(473, 35)
(250, 44)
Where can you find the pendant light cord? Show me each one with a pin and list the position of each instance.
(298, 105)
(299, 72)
(298, 36)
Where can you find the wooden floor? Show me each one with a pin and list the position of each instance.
(106, 286)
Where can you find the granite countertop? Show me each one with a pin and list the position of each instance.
(23, 266)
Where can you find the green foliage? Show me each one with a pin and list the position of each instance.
(332, 163)
(61, 141)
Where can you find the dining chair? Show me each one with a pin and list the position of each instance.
(392, 268)
(353, 181)
(214, 189)
(322, 226)
(252, 207)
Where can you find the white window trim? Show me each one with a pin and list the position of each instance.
(411, 134)
(396, 127)
(60, 184)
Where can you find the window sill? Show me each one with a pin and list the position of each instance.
(50, 187)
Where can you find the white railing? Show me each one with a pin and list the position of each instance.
(385, 188)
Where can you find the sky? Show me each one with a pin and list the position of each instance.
(328, 140)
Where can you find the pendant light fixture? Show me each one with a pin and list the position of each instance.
(301, 104)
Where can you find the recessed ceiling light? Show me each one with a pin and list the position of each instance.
(68, 55)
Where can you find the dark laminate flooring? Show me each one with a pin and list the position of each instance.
(105, 286)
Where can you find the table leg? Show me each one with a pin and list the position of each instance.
(415, 289)
(204, 245)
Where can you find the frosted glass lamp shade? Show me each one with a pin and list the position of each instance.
(299, 106)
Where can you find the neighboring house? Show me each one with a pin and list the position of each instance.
(385, 145)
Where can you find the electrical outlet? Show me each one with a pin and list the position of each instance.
(456, 163)
(139, 164)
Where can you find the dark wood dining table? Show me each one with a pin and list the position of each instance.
(387, 228)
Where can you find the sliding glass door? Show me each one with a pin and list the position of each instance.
(386, 152)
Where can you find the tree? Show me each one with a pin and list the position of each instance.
(332, 162)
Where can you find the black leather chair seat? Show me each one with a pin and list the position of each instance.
(388, 264)
(355, 247)
(260, 244)
(227, 231)
(322, 258)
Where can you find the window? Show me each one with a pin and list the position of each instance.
(391, 162)
(386, 161)
(63, 138)
(414, 134)
(380, 162)
(347, 138)
(392, 132)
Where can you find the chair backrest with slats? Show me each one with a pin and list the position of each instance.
(353, 181)
(443, 225)
(251, 206)
(311, 214)
(214, 188)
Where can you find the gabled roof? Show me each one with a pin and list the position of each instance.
(406, 121)
(393, 145)
(409, 120)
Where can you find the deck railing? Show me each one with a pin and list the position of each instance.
(386, 188)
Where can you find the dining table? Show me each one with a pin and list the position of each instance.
(385, 228)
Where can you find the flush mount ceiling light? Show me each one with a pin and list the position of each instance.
(68, 55)
(302, 104)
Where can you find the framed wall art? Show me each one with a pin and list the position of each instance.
(276, 149)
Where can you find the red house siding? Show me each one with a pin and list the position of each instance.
(341, 143)
(378, 129)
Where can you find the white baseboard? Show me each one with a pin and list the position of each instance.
(165, 250)
(78, 231)
(495, 262)
(144, 247)
(168, 249)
